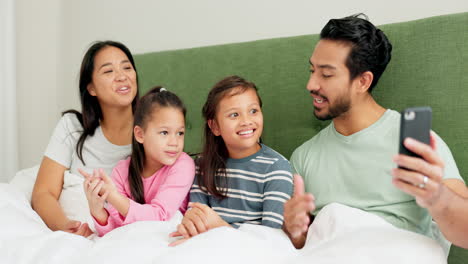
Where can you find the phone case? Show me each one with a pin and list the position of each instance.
(415, 123)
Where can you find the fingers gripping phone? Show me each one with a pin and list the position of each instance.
(415, 123)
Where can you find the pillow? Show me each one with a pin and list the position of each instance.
(72, 199)
(24, 181)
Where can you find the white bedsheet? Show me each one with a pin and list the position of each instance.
(339, 234)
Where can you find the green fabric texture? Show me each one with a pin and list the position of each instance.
(429, 66)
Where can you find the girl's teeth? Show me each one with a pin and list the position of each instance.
(245, 132)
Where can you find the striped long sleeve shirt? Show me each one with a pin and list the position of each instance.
(258, 187)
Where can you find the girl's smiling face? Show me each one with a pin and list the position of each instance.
(239, 121)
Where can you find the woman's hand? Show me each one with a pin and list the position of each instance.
(77, 228)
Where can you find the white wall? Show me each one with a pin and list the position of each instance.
(53, 36)
(9, 129)
(38, 40)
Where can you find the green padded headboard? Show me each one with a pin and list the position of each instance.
(429, 66)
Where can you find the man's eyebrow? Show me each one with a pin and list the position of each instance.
(323, 66)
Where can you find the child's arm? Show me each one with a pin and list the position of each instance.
(105, 219)
(170, 195)
(117, 195)
(194, 221)
(200, 218)
(277, 190)
(92, 187)
(212, 219)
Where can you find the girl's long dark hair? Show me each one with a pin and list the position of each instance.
(213, 159)
(146, 105)
(91, 112)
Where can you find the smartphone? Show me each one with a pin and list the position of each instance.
(415, 123)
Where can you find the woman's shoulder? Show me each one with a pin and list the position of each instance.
(70, 122)
(66, 132)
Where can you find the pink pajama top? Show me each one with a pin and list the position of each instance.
(166, 191)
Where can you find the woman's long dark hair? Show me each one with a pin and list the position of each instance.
(91, 112)
(213, 159)
(146, 105)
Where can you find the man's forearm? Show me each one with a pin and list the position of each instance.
(451, 215)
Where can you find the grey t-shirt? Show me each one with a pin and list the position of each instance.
(98, 152)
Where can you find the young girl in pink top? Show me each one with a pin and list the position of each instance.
(154, 182)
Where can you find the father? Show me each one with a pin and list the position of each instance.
(350, 161)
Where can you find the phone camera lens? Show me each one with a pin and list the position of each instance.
(410, 115)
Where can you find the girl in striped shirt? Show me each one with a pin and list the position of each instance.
(238, 179)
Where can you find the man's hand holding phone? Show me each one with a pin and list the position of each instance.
(423, 176)
(420, 169)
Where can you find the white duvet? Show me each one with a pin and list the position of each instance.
(339, 234)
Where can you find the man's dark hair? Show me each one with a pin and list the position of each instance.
(370, 48)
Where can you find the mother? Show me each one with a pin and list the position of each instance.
(98, 137)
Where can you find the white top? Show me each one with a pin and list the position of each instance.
(98, 152)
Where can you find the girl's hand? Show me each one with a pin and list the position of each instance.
(92, 187)
(200, 218)
(109, 185)
(195, 222)
(177, 242)
(88, 177)
(213, 220)
(100, 174)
